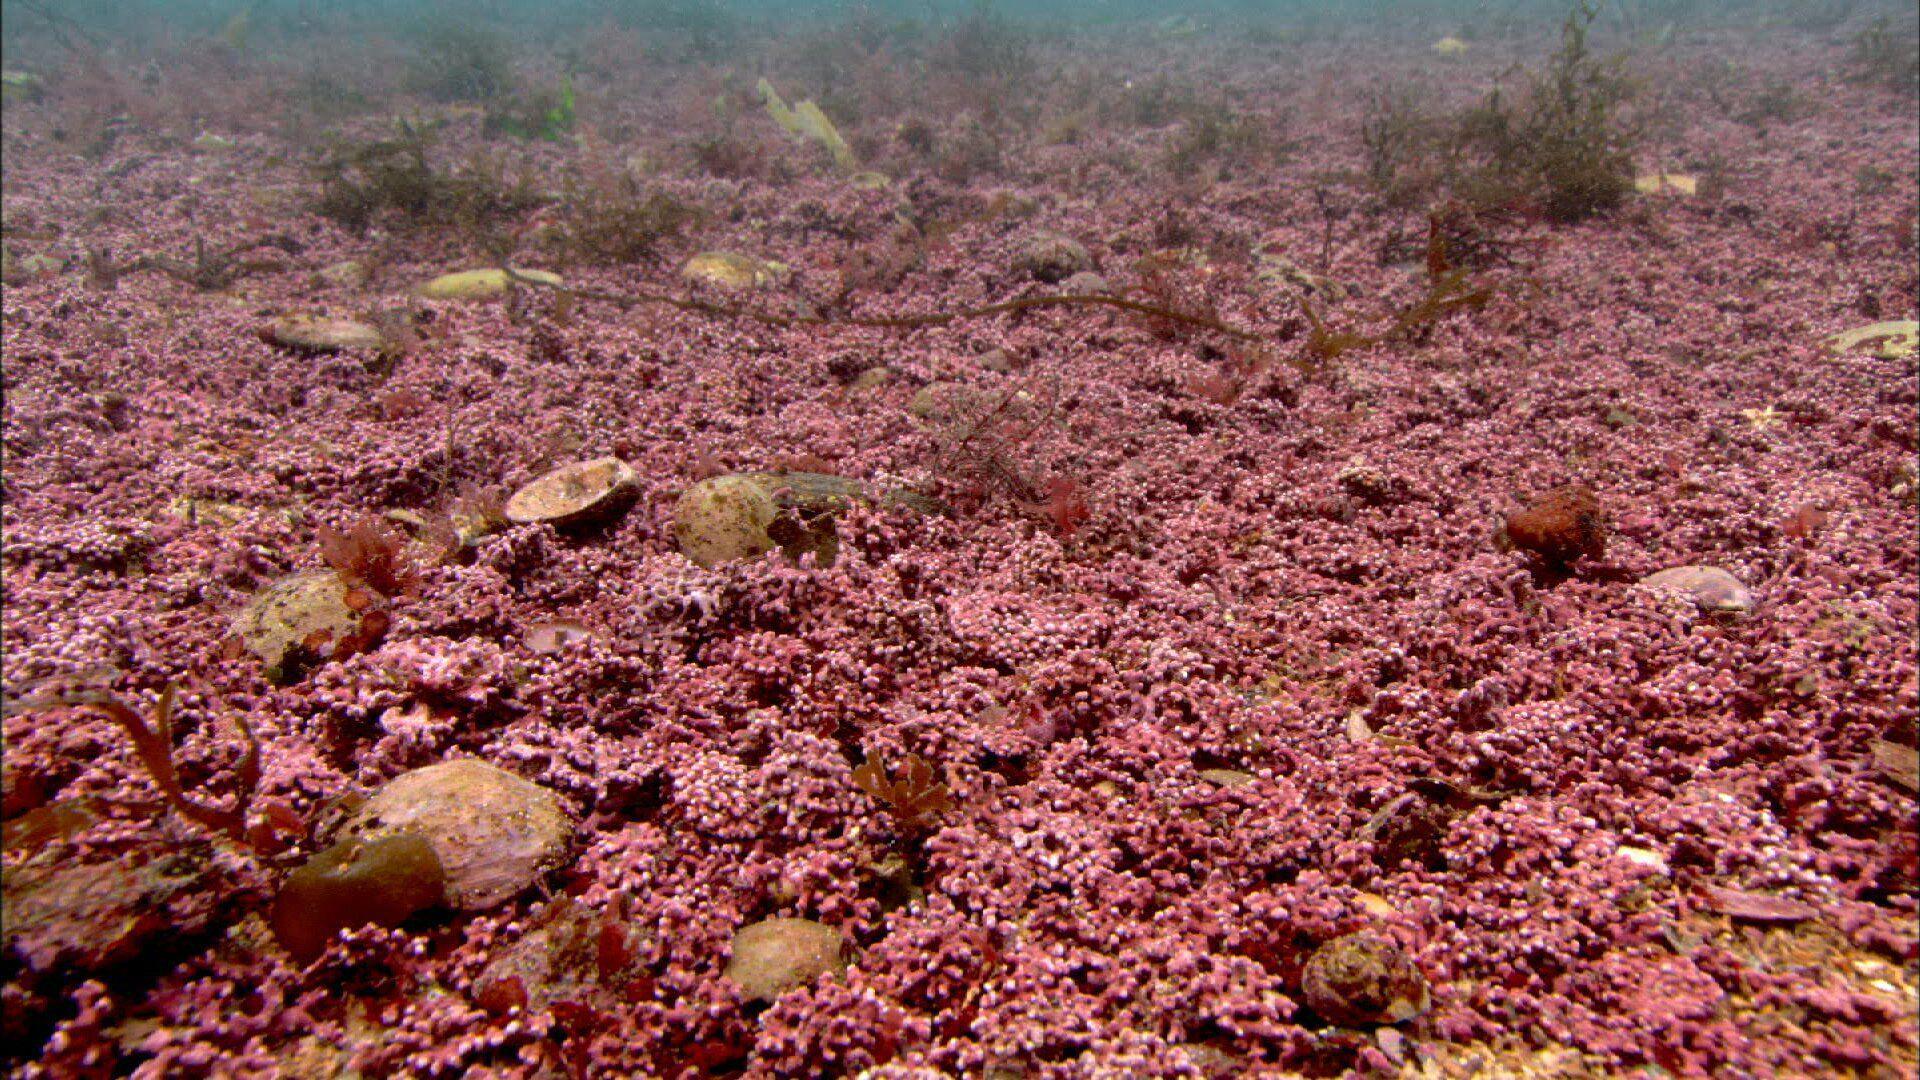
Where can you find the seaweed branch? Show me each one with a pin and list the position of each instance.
(153, 744)
(1454, 238)
(210, 269)
(64, 28)
(1448, 291)
(889, 322)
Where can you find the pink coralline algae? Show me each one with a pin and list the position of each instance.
(1104, 691)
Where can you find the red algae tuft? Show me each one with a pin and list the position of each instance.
(1561, 527)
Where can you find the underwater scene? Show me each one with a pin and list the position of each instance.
(667, 538)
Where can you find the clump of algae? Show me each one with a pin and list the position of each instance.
(806, 121)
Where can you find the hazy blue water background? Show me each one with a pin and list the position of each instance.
(185, 17)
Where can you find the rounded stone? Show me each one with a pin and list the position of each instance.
(997, 360)
(934, 401)
(1086, 283)
(480, 284)
(1561, 526)
(580, 493)
(322, 334)
(1051, 257)
(282, 620)
(346, 274)
(873, 378)
(724, 518)
(494, 833)
(774, 956)
(1712, 588)
(1364, 978)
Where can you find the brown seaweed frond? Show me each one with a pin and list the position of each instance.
(1448, 291)
(915, 798)
(153, 745)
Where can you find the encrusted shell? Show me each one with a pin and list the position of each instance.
(731, 270)
(1677, 183)
(745, 514)
(494, 833)
(1885, 340)
(1712, 588)
(576, 494)
(479, 284)
(284, 616)
(323, 334)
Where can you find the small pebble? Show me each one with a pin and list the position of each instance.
(997, 360)
(777, 955)
(346, 274)
(1086, 283)
(1652, 860)
(1284, 271)
(556, 636)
